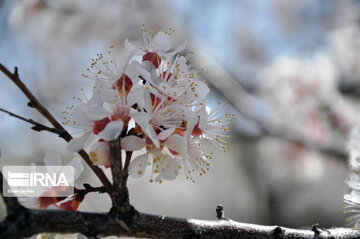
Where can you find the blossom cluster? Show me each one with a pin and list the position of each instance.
(152, 99)
(352, 199)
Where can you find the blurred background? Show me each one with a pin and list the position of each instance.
(290, 70)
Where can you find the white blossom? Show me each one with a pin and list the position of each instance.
(151, 99)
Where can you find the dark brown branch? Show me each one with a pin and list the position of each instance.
(35, 103)
(89, 189)
(37, 126)
(152, 226)
(123, 211)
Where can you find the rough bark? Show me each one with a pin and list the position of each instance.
(31, 221)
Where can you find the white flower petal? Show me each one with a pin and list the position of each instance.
(202, 89)
(166, 133)
(203, 120)
(132, 143)
(192, 120)
(81, 118)
(138, 166)
(112, 130)
(96, 100)
(129, 46)
(109, 95)
(77, 144)
(93, 112)
(161, 42)
(170, 172)
(100, 153)
(178, 144)
(133, 71)
(135, 96)
(143, 119)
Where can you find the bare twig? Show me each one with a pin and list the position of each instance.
(89, 189)
(35, 103)
(37, 126)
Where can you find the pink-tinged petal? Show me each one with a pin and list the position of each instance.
(178, 144)
(138, 166)
(132, 143)
(165, 134)
(99, 125)
(112, 130)
(77, 144)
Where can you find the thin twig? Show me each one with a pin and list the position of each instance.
(37, 125)
(90, 190)
(35, 103)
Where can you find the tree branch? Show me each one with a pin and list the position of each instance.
(37, 126)
(123, 211)
(89, 189)
(152, 226)
(22, 222)
(35, 103)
